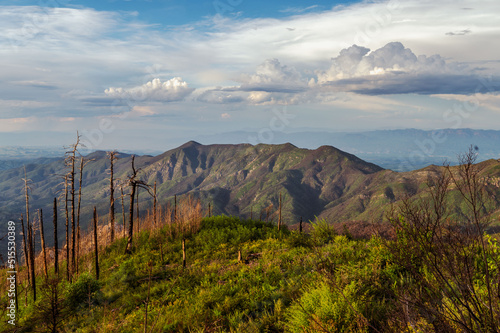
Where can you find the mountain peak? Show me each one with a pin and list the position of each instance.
(190, 144)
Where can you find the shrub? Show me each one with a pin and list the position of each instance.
(322, 232)
(321, 309)
(299, 239)
(83, 292)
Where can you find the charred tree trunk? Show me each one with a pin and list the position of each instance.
(26, 253)
(96, 247)
(42, 239)
(27, 199)
(123, 211)
(73, 222)
(82, 164)
(56, 243)
(137, 207)
(112, 157)
(133, 185)
(32, 258)
(67, 227)
(70, 162)
(131, 219)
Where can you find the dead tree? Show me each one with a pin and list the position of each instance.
(27, 196)
(67, 226)
(123, 210)
(31, 249)
(134, 184)
(112, 158)
(42, 239)
(96, 247)
(26, 253)
(70, 162)
(83, 163)
(56, 245)
(137, 207)
(439, 254)
(27, 199)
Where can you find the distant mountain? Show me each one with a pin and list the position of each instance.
(240, 180)
(29, 153)
(398, 150)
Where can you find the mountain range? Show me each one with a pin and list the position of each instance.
(398, 150)
(243, 180)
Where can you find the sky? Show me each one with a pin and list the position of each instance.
(153, 74)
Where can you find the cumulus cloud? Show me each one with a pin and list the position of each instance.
(394, 69)
(271, 76)
(391, 69)
(157, 91)
(272, 83)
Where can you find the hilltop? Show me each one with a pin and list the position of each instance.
(239, 180)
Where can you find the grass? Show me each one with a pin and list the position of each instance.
(286, 282)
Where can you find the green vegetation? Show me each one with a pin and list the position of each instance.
(437, 270)
(286, 282)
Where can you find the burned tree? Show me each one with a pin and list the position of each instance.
(112, 158)
(25, 248)
(123, 209)
(31, 250)
(83, 163)
(42, 239)
(27, 242)
(67, 226)
(134, 184)
(70, 163)
(96, 246)
(56, 245)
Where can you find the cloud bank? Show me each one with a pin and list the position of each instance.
(169, 91)
(389, 70)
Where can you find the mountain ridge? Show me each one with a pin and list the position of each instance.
(242, 180)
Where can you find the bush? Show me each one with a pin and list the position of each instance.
(83, 292)
(321, 309)
(322, 232)
(299, 239)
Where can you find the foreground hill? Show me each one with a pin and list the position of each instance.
(241, 180)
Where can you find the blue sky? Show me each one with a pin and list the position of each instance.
(154, 74)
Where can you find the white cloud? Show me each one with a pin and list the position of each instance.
(157, 91)
(272, 83)
(394, 69)
(391, 69)
(67, 57)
